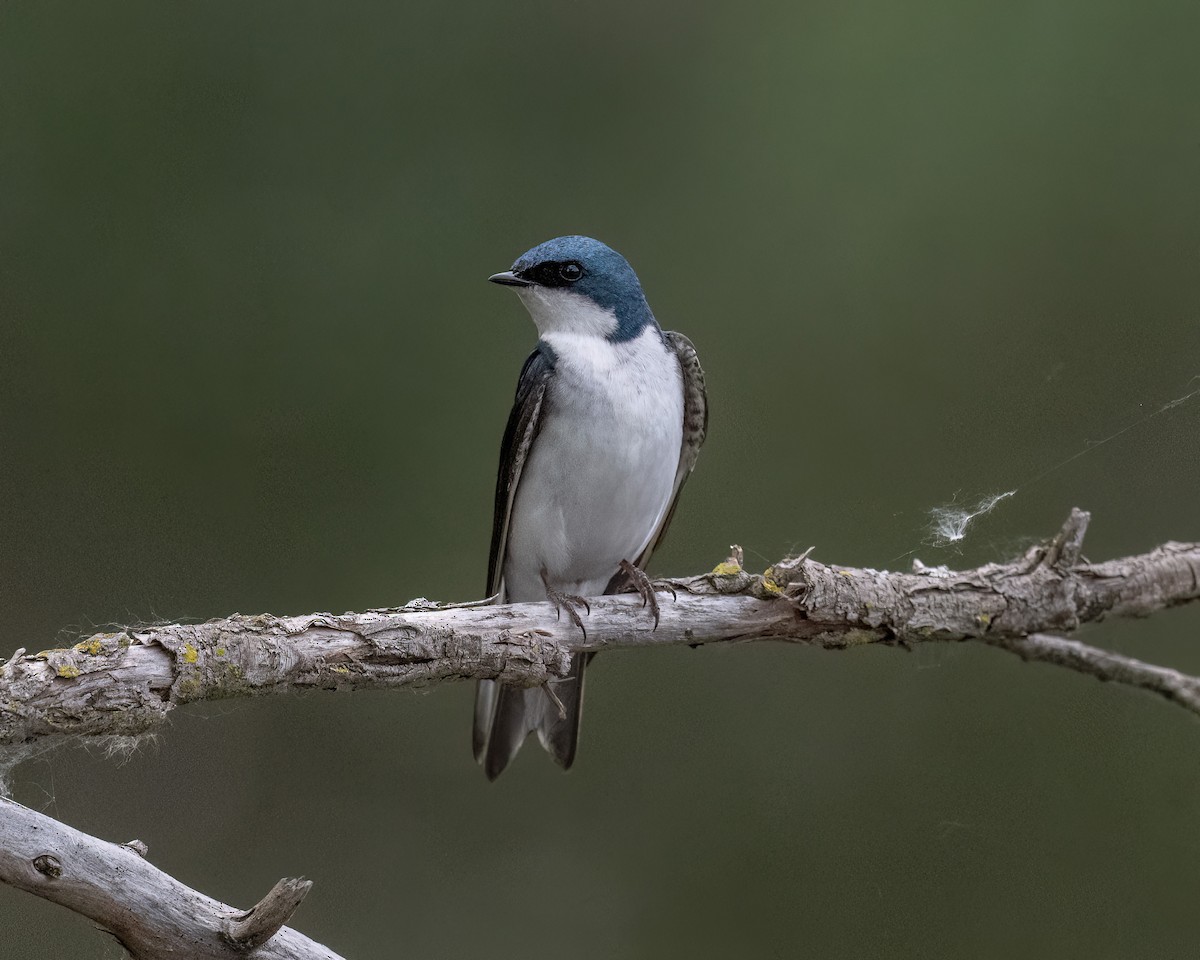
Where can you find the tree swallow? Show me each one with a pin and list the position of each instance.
(608, 420)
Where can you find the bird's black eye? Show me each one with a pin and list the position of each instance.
(570, 271)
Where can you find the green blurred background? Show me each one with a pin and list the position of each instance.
(249, 362)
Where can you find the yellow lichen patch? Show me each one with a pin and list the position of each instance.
(770, 586)
(220, 651)
(190, 653)
(728, 568)
(93, 646)
(984, 618)
(68, 671)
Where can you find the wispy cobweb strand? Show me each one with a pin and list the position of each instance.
(948, 522)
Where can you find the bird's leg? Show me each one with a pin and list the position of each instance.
(643, 586)
(568, 602)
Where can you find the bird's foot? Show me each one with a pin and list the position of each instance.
(643, 586)
(568, 602)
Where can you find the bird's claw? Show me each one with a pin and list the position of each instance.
(644, 588)
(568, 602)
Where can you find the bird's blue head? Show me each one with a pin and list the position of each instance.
(579, 285)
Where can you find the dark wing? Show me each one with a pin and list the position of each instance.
(523, 423)
(695, 427)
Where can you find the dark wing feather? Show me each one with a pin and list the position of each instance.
(695, 428)
(519, 435)
(522, 427)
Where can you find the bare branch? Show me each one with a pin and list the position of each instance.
(1175, 686)
(125, 682)
(152, 914)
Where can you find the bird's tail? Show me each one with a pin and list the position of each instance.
(505, 715)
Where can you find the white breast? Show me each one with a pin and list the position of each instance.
(601, 472)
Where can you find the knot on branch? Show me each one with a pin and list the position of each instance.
(136, 846)
(48, 865)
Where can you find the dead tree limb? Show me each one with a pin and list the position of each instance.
(150, 913)
(125, 682)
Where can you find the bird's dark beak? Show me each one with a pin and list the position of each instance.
(510, 279)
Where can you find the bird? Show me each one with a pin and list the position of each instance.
(608, 419)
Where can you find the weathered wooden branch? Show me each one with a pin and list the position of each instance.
(150, 913)
(125, 682)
